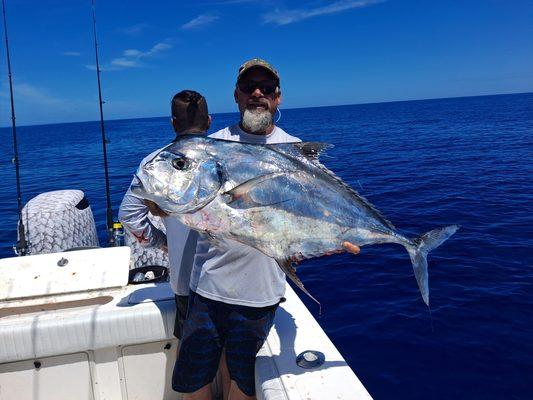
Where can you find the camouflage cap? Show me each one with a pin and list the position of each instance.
(257, 63)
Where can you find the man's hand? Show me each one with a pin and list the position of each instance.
(351, 248)
(154, 209)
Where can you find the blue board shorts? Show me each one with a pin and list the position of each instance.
(212, 326)
(182, 303)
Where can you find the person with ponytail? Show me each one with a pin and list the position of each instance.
(189, 117)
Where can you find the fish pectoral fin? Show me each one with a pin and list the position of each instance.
(246, 187)
(290, 271)
(258, 191)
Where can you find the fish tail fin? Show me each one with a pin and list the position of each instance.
(418, 254)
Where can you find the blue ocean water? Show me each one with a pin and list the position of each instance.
(424, 164)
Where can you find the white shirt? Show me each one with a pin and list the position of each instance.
(233, 272)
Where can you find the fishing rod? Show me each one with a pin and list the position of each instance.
(111, 235)
(21, 248)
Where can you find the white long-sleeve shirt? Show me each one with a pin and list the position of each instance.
(179, 239)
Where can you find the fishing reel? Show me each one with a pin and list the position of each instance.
(22, 249)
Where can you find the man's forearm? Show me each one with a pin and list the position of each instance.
(133, 214)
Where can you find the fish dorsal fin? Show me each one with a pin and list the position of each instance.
(310, 150)
(313, 150)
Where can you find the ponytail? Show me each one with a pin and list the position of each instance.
(189, 110)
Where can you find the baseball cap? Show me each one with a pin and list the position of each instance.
(257, 63)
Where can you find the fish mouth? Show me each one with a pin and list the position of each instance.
(138, 188)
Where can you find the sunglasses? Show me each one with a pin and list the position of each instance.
(266, 87)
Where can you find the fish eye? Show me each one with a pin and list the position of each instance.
(180, 163)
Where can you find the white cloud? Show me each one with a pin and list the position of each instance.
(134, 30)
(132, 53)
(110, 67)
(71, 53)
(125, 62)
(132, 58)
(39, 105)
(201, 20)
(286, 16)
(32, 94)
(161, 46)
(35, 105)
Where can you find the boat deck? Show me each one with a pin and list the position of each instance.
(117, 343)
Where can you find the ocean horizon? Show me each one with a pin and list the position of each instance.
(424, 164)
(283, 109)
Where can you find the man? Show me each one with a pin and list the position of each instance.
(189, 117)
(235, 289)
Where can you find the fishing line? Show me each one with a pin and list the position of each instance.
(431, 320)
(320, 311)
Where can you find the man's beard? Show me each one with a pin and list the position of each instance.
(256, 121)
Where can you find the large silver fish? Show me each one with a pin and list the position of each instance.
(277, 198)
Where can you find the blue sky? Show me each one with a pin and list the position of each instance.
(328, 53)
